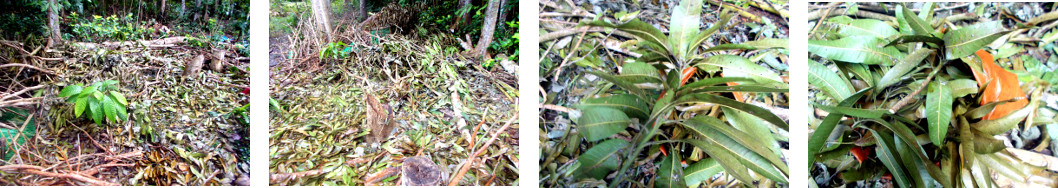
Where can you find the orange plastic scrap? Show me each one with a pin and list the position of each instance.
(684, 76)
(1001, 85)
(738, 95)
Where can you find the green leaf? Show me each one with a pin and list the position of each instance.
(903, 67)
(122, 113)
(727, 159)
(712, 82)
(768, 88)
(916, 38)
(760, 130)
(737, 66)
(866, 27)
(670, 168)
(683, 26)
(967, 40)
(623, 84)
(828, 81)
(1005, 123)
(962, 87)
(79, 106)
(723, 101)
(119, 98)
(855, 49)
(597, 123)
(854, 112)
(109, 82)
(725, 17)
(727, 140)
(96, 110)
(701, 171)
(110, 109)
(650, 36)
(600, 159)
(86, 91)
(938, 111)
(985, 144)
(638, 72)
(919, 26)
(885, 153)
(70, 90)
(818, 138)
(767, 43)
(629, 104)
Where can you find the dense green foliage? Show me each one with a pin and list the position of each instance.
(100, 101)
(123, 19)
(22, 19)
(98, 28)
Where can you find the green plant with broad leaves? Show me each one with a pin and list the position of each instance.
(652, 97)
(99, 101)
(903, 98)
(336, 50)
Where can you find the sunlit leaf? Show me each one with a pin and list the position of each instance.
(919, 26)
(683, 27)
(737, 66)
(701, 171)
(965, 41)
(70, 90)
(768, 43)
(855, 49)
(723, 101)
(828, 81)
(707, 132)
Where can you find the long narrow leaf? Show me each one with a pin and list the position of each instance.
(938, 112)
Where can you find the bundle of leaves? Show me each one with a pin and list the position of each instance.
(99, 101)
(919, 98)
(682, 102)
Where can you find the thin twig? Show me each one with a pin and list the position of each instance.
(473, 157)
(36, 170)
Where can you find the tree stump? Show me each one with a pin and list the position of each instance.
(420, 171)
(192, 67)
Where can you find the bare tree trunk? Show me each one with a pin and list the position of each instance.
(321, 13)
(183, 7)
(198, 6)
(502, 25)
(363, 10)
(163, 7)
(487, 28)
(53, 22)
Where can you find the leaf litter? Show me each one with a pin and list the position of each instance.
(443, 106)
(181, 130)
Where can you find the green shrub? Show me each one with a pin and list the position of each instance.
(99, 100)
(99, 28)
